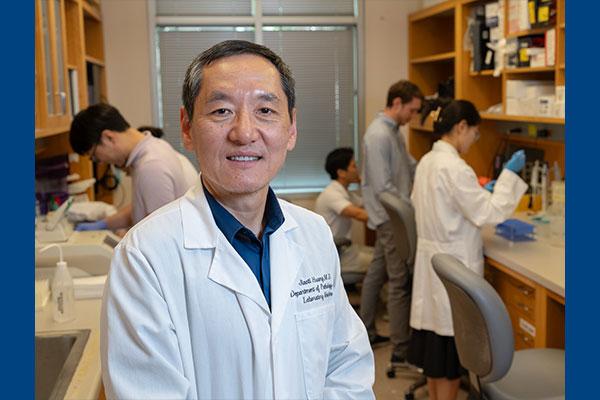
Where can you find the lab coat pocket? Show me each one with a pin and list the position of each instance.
(315, 330)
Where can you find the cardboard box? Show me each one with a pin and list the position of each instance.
(550, 46)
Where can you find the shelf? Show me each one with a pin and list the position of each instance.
(422, 128)
(561, 66)
(486, 72)
(527, 70)
(89, 11)
(522, 118)
(534, 31)
(94, 60)
(530, 140)
(71, 66)
(562, 26)
(42, 133)
(449, 56)
(445, 8)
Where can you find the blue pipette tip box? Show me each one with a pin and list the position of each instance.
(516, 230)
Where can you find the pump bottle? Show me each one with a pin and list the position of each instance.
(63, 295)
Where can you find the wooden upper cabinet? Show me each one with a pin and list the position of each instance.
(52, 100)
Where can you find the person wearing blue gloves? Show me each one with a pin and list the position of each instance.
(515, 164)
(450, 208)
(157, 174)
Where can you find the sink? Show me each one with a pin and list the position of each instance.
(57, 355)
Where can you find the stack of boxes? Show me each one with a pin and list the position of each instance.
(535, 98)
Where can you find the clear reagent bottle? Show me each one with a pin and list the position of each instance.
(63, 296)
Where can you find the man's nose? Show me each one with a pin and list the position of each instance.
(244, 130)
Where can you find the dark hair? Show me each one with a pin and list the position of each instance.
(228, 48)
(453, 113)
(154, 130)
(338, 159)
(88, 124)
(405, 90)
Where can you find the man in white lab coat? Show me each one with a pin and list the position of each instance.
(228, 292)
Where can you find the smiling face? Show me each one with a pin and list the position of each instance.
(241, 130)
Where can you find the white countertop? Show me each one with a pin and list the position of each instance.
(542, 260)
(85, 383)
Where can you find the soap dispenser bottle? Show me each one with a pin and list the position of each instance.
(63, 296)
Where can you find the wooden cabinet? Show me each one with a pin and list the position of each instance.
(537, 314)
(51, 79)
(437, 53)
(69, 74)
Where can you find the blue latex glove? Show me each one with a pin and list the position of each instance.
(516, 162)
(490, 186)
(92, 226)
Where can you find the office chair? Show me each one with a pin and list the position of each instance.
(485, 344)
(402, 216)
(349, 278)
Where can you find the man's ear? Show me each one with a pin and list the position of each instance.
(186, 129)
(292, 132)
(108, 136)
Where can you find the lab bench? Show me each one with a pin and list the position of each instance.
(86, 381)
(530, 279)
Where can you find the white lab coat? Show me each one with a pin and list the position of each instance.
(183, 316)
(450, 208)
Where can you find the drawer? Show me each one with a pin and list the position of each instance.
(516, 293)
(523, 327)
(523, 341)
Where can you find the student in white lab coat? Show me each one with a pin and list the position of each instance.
(450, 208)
(228, 292)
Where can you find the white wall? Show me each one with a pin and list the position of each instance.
(386, 49)
(429, 3)
(127, 56)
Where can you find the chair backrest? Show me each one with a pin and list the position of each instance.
(482, 328)
(402, 216)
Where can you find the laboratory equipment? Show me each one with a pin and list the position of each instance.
(515, 230)
(544, 187)
(54, 227)
(63, 295)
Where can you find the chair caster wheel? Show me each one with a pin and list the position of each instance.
(391, 373)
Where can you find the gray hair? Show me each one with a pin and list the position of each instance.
(193, 75)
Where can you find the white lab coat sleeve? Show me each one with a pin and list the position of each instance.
(378, 167)
(480, 206)
(139, 349)
(351, 367)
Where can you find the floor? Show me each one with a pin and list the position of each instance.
(392, 388)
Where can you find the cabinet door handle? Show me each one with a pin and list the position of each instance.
(525, 338)
(63, 101)
(523, 289)
(523, 306)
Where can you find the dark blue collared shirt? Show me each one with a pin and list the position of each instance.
(253, 251)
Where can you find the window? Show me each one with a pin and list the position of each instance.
(318, 40)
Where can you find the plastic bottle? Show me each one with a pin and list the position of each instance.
(63, 295)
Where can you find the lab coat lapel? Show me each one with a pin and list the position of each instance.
(229, 269)
(201, 232)
(286, 258)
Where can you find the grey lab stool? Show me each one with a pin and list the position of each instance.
(402, 217)
(485, 344)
